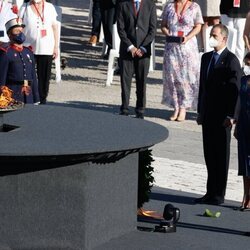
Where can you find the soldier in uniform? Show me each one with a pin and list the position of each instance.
(17, 65)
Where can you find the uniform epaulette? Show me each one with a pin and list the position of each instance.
(29, 47)
(4, 47)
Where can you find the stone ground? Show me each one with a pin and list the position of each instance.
(179, 163)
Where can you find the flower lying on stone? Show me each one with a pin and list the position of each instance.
(208, 213)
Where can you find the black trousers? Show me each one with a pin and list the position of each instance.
(43, 67)
(108, 15)
(96, 18)
(216, 146)
(127, 68)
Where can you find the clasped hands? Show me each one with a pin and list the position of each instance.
(227, 123)
(136, 52)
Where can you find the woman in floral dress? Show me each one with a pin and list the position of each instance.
(181, 62)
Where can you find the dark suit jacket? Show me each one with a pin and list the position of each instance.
(218, 93)
(226, 8)
(138, 30)
(107, 4)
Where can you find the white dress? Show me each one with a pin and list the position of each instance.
(41, 44)
(209, 7)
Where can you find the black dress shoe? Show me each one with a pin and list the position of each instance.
(106, 57)
(214, 201)
(117, 71)
(140, 116)
(202, 199)
(124, 113)
(43, 101)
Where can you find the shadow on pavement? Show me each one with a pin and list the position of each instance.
(111, 108)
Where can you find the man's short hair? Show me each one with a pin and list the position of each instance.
(223, 28)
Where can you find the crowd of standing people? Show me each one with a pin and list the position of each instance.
(192, 79)
(210, 83)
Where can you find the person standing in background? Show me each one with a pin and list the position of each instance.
(136, 24)
(210, 10)
(6, 14)
(41, 33)
(233, 14)
(220, 76)
(96, 23)
(181, 18)
(247, 32)
(108, 16)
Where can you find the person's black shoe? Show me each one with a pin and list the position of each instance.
(123, 112)
(106, 57)
(140, 116)
(43, 101)
(206, 199)
(202, 199)
(117, 71)
(214, 201)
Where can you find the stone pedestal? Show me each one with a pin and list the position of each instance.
(78, 206)
(67, 180)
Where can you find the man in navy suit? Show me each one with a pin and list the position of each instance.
(136, 24)
(219, 83)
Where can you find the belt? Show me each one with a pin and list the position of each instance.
(24, 82)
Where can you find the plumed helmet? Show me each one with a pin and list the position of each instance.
(13, 23)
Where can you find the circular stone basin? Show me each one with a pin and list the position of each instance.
(50, 133)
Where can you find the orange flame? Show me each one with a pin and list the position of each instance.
(149, 213)
(5, 97)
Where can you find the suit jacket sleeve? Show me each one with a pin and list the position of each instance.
(121, 25)
(201, 86)
(152, 27)
(233, 86)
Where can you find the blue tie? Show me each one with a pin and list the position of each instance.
(137, 5)
(213, 62)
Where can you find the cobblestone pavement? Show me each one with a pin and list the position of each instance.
(179, 162)
(191, 177)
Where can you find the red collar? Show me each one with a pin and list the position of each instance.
(17, 48)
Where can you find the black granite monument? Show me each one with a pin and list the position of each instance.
(68, 176)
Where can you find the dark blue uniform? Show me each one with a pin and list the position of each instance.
(17, 68)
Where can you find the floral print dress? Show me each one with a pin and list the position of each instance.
(181, 62)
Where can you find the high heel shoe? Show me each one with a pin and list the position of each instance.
(182, 115)
(174, 116)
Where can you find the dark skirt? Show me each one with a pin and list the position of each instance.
(243, 128)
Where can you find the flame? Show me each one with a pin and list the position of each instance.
(5, 97)
(149, 213)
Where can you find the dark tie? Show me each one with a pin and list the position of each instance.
(213, 61)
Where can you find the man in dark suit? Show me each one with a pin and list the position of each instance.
(108, 17)
(219, 83)
(136, 23)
